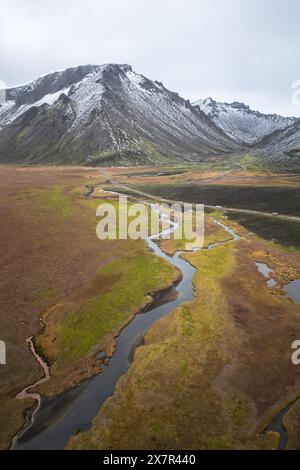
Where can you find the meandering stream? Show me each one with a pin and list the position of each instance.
(292, 291)
(54, 421)
(25, 393)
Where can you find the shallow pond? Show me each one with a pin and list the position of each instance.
(292, 291)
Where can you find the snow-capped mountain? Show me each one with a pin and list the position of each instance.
(104, 114)
(283, 141)
(240, 122)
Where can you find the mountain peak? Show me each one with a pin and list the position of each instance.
(104, 114)
(238, 105)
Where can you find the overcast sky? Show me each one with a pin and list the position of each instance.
(232, 50)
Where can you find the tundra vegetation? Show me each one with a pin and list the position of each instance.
(55, 268)
(223, 358)
(224, 351)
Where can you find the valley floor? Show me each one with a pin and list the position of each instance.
(212, 373)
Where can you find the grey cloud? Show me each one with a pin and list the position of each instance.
(227, 49)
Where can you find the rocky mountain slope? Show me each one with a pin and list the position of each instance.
(104, 115)
(286, 141)
(242, 123)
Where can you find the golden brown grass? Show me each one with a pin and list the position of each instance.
(53, 266)
(223, 360)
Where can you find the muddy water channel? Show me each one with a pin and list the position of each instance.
(55, 421)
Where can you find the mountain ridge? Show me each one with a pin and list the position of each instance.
(110, 115)
(241, 122)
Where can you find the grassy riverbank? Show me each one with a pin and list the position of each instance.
(211, 374)
(222, 352)
(218, 357)
(56, 268)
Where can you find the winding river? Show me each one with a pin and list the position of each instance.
(53, 422)
(292, 292)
